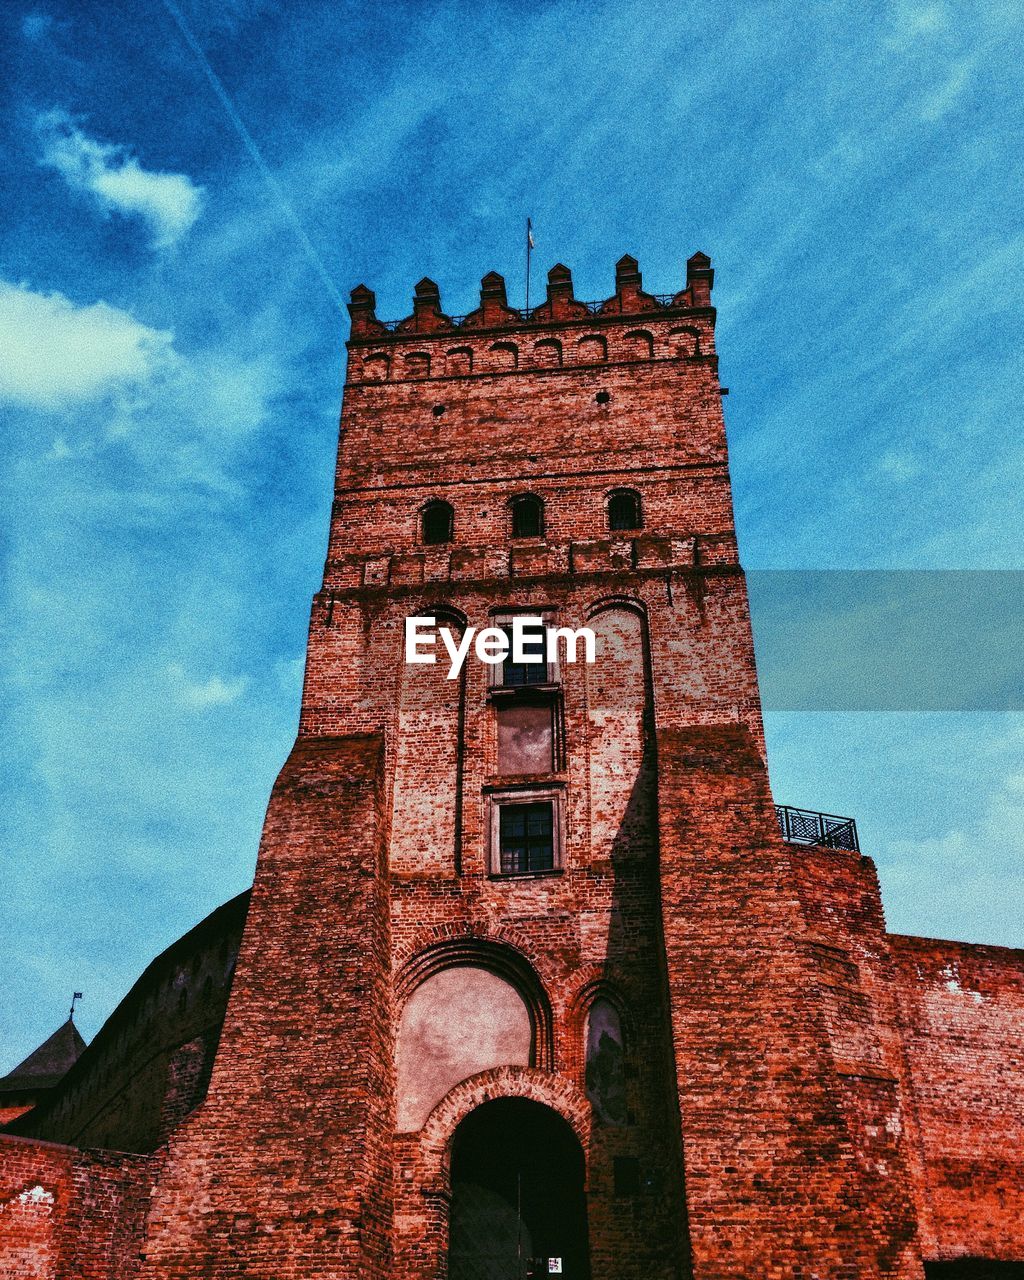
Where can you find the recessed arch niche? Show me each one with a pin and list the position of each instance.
(638, 344)
(547, 353)
(458, 361)
(592, 348)
(425, 818)
(605, 1050)
(621, 756)
(376, 367)
(504, 355)
(457, 1022)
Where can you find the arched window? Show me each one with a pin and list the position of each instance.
(438, 521)
(527, 516)
(624, 510)
(605, 1062)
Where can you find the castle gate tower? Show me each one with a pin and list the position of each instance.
(526, 982)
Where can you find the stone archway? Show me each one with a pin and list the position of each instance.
(518, 1198)
(423, 1159)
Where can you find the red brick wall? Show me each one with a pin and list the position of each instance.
(70, 1215)
(285, 1169)
(767, 1097)
(856, 980)
(963, 1015)
(290, 1167)
(782, 1178)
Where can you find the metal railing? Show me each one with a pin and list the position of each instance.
(665, 300)
(804, 826)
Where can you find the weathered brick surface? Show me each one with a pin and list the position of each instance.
(68, 1214)
(779, 1115)
(285, 1170)
(150, 1063)
(963, 1018)
(778, 1180)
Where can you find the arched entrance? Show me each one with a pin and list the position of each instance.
(518, 1198)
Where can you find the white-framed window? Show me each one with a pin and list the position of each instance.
(525, 831)
(536, 670)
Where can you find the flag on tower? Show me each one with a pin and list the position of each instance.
(529, 250)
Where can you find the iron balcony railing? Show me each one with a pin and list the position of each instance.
(804, 826)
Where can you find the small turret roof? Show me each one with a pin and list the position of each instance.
(46, 1065)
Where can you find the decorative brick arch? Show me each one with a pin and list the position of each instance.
(592, 985)
(685, 342)
(436, 936)
(498, 957)
(596, 985)
(503, 356)
(458, 361)
(631, 603)
(556, 1092)
(592, 348)
(376, 366)
(547, 353)
(638, 344)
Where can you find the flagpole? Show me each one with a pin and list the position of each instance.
(529, 246)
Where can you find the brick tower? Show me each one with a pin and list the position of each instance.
(528, 974)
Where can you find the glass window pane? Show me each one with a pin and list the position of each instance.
(526, 836)
(518, 674)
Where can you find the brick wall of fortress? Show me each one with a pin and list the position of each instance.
(67, 1214)
(940, 1025)
(962, 1009)
(664, 730)
(787, 1079)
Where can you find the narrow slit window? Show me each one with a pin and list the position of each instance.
(527, 516)
(438, 522)
(624, 510)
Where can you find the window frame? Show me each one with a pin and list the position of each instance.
(638, 509)
(436, 504)
(519, 500)
(552, 794)
(503, 620)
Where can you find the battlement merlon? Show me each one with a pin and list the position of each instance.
(559, 309)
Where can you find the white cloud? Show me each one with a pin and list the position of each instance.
(967, 881)
(57, 353)
(36, 25)
(956, 82)
(169, 202)
(200, 694)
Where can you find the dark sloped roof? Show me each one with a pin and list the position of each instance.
(49, 1063)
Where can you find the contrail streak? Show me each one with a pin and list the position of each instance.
(315, 261)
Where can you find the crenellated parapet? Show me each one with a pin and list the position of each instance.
(559, 307)
(561, 332)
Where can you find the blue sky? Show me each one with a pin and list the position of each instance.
(171, 358)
